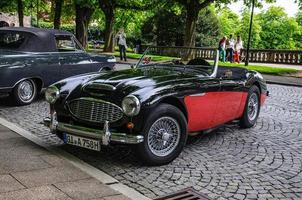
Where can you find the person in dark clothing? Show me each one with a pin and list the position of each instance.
(138, 46)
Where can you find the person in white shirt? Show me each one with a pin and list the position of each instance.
(238, 47)
(230, 43)
(121, 41)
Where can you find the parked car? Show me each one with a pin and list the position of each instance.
(154, 106)
(32, 58)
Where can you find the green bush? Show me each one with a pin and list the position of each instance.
(65, 27)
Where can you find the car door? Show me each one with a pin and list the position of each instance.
(46, 66)
(73, 59)
(230, 100)
(202, 104)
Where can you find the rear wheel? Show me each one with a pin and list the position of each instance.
(252, 108)
(165, 134)
(25, 92)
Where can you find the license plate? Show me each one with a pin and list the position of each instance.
(82, 142)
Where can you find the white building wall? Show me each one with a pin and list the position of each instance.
(11, 18)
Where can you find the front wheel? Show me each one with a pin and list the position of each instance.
(25, 92)
(252, 108)
(165, 134)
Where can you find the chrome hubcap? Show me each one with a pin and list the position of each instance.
(164, 136)
(253, 107)
(26, 91)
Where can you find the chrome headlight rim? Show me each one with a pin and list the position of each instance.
(52, 94)
(136, 105)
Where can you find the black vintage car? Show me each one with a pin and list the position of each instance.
(154, 106)
(34, 58)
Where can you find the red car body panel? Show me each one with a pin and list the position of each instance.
(211, 109)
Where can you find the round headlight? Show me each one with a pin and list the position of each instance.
(131, 105)
(52, 94)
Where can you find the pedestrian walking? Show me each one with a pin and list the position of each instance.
(121, 41)
(238, 47)
(221, 49)
(230, 48)
(138, 46)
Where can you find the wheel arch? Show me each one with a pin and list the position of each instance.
(38, 81)
(105, 69)
(256, 83)
(174, 101)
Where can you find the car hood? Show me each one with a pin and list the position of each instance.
(142, 82)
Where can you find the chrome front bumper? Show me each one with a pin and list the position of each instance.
(105, 135)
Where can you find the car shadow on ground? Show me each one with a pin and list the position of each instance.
(9, 101)
(125, 156)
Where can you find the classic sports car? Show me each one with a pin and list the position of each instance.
(153, 105)
(33, 58)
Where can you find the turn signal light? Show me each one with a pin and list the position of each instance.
(130, 125)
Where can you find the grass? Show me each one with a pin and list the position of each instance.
(278, 71)
(138, 56)
(262, 69)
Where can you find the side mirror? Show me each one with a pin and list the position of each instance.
(214, 73)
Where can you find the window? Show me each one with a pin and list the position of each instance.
(11, 40)
(66, 43)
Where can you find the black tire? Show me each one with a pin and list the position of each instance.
(249, 119)
(178, 121)
(19, 91)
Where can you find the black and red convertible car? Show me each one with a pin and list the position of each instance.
(154, 106)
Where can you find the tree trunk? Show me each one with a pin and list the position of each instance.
(58, 11)
(20, 12)
(109, 37)
(190, 30)
(83, 16)
(108, 9)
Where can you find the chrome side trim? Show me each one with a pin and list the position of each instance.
(198, 95)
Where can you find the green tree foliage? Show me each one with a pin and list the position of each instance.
(272, 29)
(278, 30)
(157, 29)
(228, 21)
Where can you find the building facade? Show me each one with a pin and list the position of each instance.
(8, 19)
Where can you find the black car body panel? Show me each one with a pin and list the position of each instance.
(152, 85)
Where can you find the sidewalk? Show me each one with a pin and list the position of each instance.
(29, 172)
(283, 80)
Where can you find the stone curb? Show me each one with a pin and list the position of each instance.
(101, 176)
(282, 83)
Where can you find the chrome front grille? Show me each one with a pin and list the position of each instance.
(94, 110)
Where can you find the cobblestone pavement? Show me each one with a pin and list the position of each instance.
(264, 162)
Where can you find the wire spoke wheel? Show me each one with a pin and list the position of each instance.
(253, 107)
(164, 136)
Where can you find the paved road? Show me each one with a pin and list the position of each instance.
(264, 162)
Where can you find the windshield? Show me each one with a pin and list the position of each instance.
(150, 58)
(11, 40)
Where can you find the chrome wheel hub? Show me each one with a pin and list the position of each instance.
(163, 136)
(26, 91)
(253, 107)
